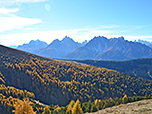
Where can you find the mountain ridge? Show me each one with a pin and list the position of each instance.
(101, 48)
(145, 42)
(57, 49)
(32, 45)
(98, 48)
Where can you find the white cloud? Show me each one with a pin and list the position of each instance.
(15, 22)
(22, 1)
(9, 21)
(11, 2)
(5, 11)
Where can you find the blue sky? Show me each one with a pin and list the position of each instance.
(25, 20)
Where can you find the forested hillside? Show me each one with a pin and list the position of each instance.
(9, 95)
(57, 82)
(139, 67)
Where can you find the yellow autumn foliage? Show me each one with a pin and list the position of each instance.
(23, 107)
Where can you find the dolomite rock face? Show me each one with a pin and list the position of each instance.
(116, 49)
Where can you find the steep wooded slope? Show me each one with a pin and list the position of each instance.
(139, 67)
(57, 82)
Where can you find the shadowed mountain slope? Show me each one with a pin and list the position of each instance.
(118, 49)
(57, 49)
(139, 67)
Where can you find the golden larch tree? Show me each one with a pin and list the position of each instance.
(77, 108)
(70, 106)
(23, 107)
(46, 110)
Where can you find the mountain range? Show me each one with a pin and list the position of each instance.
(118, 49)
(145, 42)
(32, 46)
(57, 49)
(99, 48)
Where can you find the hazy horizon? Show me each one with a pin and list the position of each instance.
(15, 46)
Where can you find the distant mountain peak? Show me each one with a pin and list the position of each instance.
(101, 48)
(84, 42)
(32, 41)
(56, 40)
(121, 38)
(54, 43)
(57, 49)
(66, 38)
(97, 39)
(100, 37)
(149, 44)
(32, 45)
(36, 41)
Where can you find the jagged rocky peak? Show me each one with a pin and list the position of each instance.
(54, 44)
(84, 42)
(35, 41)
(148, 43)
(32, 41)
(97, 39)
(118, 39)
(32, 45)
(55, 41)
(66, 38)
(59, 48)
(121, 38)
(100, 37)
(101, 48)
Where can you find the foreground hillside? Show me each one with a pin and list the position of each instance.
(139, 67)
(139, 107)
(57, 82)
